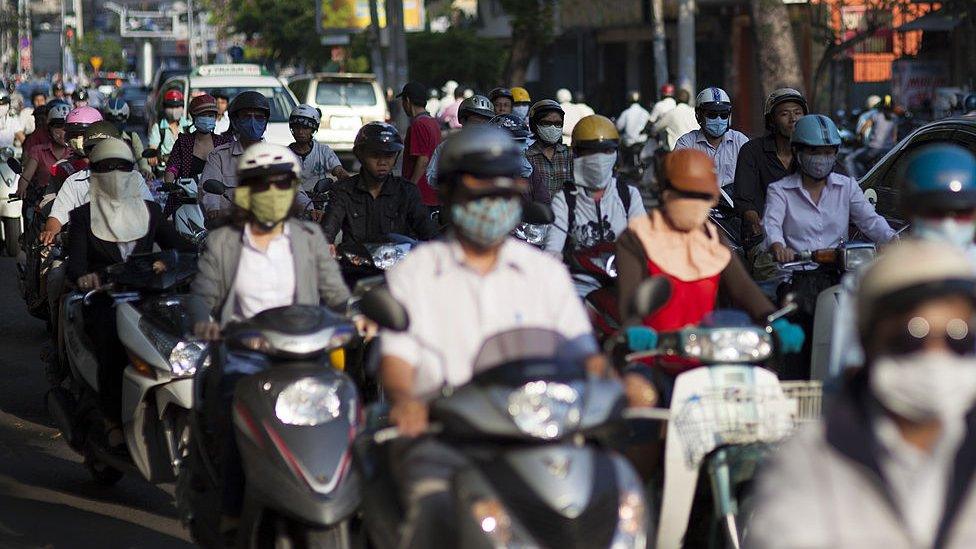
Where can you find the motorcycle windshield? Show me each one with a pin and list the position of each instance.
(518, 356)
(154, 271)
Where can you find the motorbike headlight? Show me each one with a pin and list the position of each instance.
(632, 521)
(386, 256)
(308, 402)
(185, 356)
(545, 409)
(728, 344)
(854, 258)
(532, 234)
(357, 260)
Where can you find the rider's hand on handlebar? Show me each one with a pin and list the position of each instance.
(332, 250)
(47, 237)
(781, 253)
(410, 417)
(89, 281)
(153, 161)
(641, 338)
(366, 327)
(207, 331)
(639, 391)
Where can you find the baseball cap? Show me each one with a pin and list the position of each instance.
(415, 92)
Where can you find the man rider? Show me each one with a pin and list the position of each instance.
(632, 121)
(596, 207)
(552, 161)
(511, 123)
(116, 111)
(665, 104)
(374, 203)
(476, 109)
(318, 159)
(79, 98)
(458, 291)
(11, 130)
(716, 138)
(502, 100)
(223, 120)
(678, 121)
(423, 135)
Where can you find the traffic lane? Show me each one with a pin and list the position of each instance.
(47, 498)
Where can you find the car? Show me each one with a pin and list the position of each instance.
(136, 97)
(880, 184)
(347, 101)
(235, 78)
(154, 100)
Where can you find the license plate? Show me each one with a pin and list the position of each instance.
(345, 123)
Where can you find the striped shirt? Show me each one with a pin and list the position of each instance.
(724, 156)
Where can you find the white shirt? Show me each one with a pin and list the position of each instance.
(662, 107)
(725, 156)
(677, 122)
(9, 126)
(265, 279)
(571, 115)
(318, 163)
(223, 124)
(453, 309)
(74, 193)
(631, 123)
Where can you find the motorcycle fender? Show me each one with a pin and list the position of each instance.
(824, 319)
(177, 393)
(81, 359)
(136, 390)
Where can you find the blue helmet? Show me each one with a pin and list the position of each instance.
(816, 130)
(969, 104)
(938, 177)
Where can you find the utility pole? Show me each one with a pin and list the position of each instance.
(63, 41)
(376, 52)
(686, 45)
(189, 30)
(398, 43)
(659, 43)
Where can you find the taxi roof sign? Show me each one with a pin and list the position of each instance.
(240, 69)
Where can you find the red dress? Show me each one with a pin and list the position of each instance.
(690, 301)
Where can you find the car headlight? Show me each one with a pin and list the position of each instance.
(185, 356)
(308, 402)
(728, 344)
(544, 409)
(386, 256)
(854, 258)
(632, 521)
(532, 234)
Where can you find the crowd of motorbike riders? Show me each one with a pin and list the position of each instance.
(892, 460)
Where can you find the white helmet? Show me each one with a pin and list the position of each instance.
(564, 96)
(58, 111)
(111, 147)
(449, 87)
(713, 95)
(306, 115)
(264, 159)
(872, 101)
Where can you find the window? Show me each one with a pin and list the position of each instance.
(281, 101)
(300, 89)
(352, 94)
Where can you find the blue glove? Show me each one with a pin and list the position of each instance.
(790, 335)
(641, 338)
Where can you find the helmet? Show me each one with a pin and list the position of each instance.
(57, 110)
(816, 130)
(872, 101)
(57, 87)
(4, 97)
(886, 103)
(483, 150)
(173, 98)
(564, 96)
(512, 124)
(501, 92)
(83, 115)
(96, 133)
(909, 272)
(81, 94)
(111, 148)
(939, 177)
(264, 159)
(249, 99)
(595, 132)
(667, 90)
(780, 96)
(478, 105)
(305, 115)
(203, 104)
(449, 87)
(691, 170)
(117, 109)
(520, 95)
(969, 104)
(540, 109)
(633, 96)
(378, 137)
(713, 100)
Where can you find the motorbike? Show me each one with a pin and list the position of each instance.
(599, 263)
(531, 424)
(726, 415)
(10, 205)
(187, 216)
(294, 421)
(319, 198)
(364, 262)
(536, 221)
(157, 383)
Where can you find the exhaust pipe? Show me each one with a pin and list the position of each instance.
(61, 406)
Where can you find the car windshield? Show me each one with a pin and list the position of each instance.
(352, 94)
(281, 101)
(133, 93)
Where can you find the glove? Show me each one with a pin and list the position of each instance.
(790, 335)
(641, 338)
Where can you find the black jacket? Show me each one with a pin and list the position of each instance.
(362, 218)
(89, 254)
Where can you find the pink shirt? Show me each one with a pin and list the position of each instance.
(450, 115)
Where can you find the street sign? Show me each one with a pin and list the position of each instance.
(96, 62)
(352, 16)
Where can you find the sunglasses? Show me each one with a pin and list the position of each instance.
(262, 185)
(56, 125)
(688, 194)
(112, 165)
(714, 115)
(544, 124)
(958, 337)
(253, 116)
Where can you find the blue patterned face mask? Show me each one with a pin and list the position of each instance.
(716, 127)
(487, 221)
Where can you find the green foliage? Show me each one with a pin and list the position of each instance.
(531, 18)
(457, 54)
(95, 44)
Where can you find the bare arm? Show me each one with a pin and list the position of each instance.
(26, 176)
(419, 169)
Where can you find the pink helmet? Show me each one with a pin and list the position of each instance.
(83, 115)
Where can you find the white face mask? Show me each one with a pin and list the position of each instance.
(925, 385)
(594, 171)
(949, 229)
(520, 111)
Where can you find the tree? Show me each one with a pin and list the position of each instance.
(95, 44)
(458, 54)
(532, 29)
(779, 65)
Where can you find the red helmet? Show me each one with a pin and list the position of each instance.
(173, 98)
(667, 90)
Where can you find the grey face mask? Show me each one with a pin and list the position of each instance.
(550, 134)
(817, 166)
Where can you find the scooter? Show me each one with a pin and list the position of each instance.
(157, 384)
(537, 219)
(366, 261)
(531, 424)
(188, 217)
(294, 421)
(10, 205)
(599, 262)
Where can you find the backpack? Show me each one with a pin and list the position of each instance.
(569, 193)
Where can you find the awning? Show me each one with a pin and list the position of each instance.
(937, 21)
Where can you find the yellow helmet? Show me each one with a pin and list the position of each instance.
(520, 95)
(595, 132)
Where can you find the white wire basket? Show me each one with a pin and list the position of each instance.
(744, 414)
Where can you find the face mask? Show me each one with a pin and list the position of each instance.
(817, 166)
(205, 124)
(251, 129)
(117, 185)
(687, 214)
(550, 134)
(925, 385)
(268, 207)
(521, 111)
(594, 171)
(486, 221)
(951, 230)
(716, 127)
(174, 113)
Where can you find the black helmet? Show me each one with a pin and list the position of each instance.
(482, 150)
(512, 124)
(780, 96)
(478, 105)
(377, 137)
(540, 109)
(501, 92)
(249, 99)
(969, 104)
(80, 94)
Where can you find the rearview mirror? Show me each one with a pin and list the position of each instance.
(537, 213)
(381, 307)
(150, 153)
(651, 295)
(214, 186)
(15, 165)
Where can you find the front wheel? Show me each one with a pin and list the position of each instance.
(101, 473)
(11, 235)
(291, 535)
